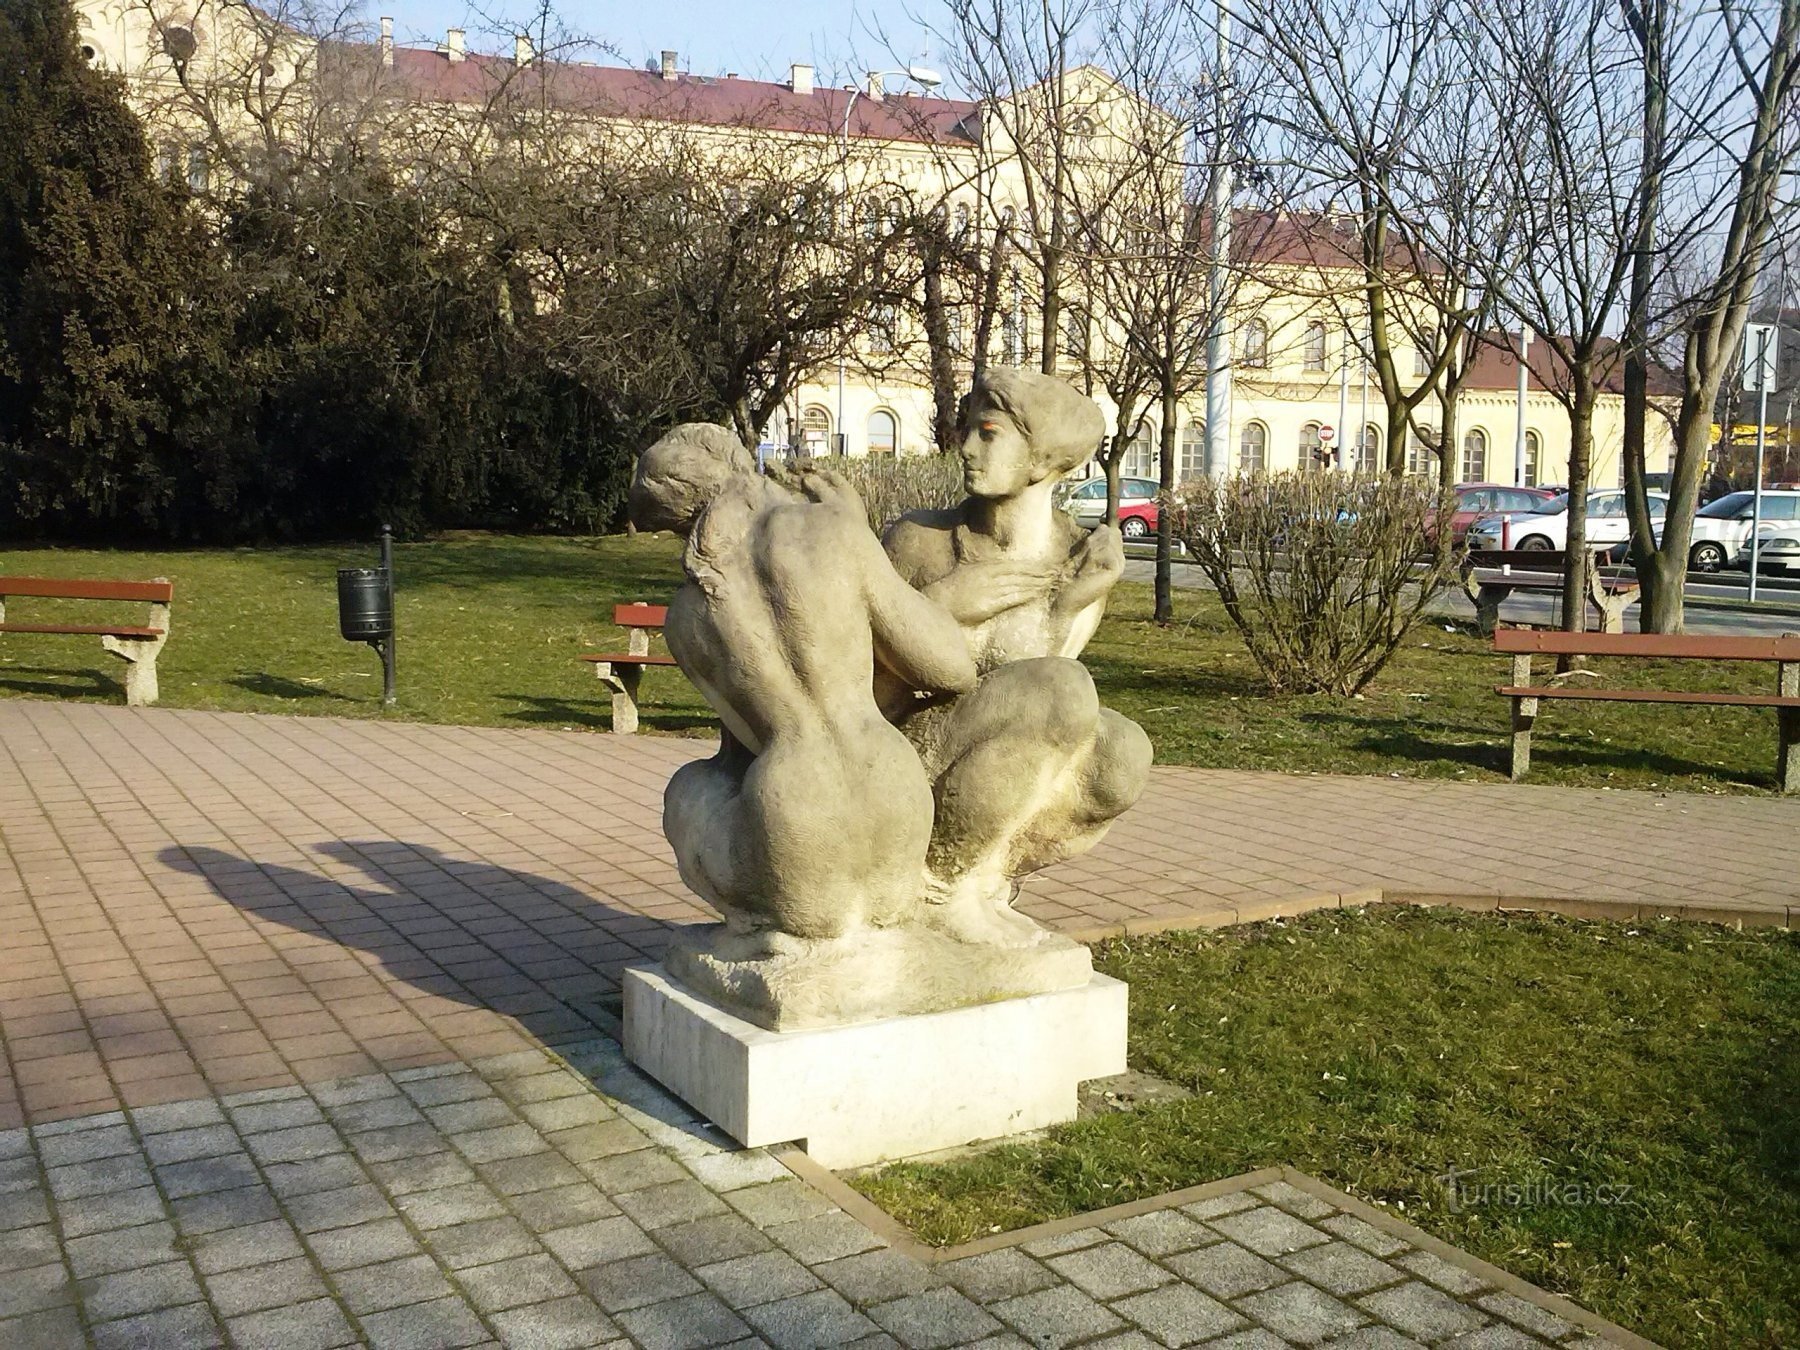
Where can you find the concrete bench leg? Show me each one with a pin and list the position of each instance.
(1524, 712)
(139, 655)
(623, 680)
(1487, 608)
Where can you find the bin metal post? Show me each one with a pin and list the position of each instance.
(387, 645)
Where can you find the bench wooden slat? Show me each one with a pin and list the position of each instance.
(640, 616)
(70, 588)
(1552, 642)
(82, 629)
(1652, 696)
(629, 658)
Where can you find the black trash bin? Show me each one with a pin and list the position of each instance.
(364, 612)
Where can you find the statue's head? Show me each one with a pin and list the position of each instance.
(1021, 427)
(682, 472)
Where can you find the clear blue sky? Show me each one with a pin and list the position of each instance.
(755, 38)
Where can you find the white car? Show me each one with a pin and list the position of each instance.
(1780, 548)
(1722, 527)
(1137, 505)
(1548, 527)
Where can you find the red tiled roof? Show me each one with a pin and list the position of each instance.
(430, 76)
(1497, 367)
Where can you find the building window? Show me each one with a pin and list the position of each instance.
(1253, 448)
(1312, 449)
(884, 433)
(883, 321)
(1368, 453)
(1422, 362)
(1420, 446)
(199, 173)
(1474, 457)
(1193, 451)
(961, 217)
(1075, 333)
(1139, 457)
(1531, 459)
(954, 331)
(1253, 344)
(870, 214)
(1314, 354)
(815, 431)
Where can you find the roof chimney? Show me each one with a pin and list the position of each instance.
(522, 52)
(668, 64)
(800, 79)
(454, 47)
(387, 41)
(874, 88)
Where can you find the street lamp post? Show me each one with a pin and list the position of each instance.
(1218, 353)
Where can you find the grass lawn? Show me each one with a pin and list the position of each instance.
(490, 627)
(1376, 1049)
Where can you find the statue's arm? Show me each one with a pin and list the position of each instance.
(917, 639)
(1080, 605)
(973, 592)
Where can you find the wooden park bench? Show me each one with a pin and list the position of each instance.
(621, 671)
(1490, 575)
(137, 645)
(1522, 644)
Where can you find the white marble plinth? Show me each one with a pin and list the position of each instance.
(884, 1089)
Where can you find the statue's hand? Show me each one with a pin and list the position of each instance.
(831, 489)
(977, 591)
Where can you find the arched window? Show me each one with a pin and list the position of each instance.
(1075, 332)
(884, 328)
(1140, 457)
(1193, 451)
(884, 433)
(815, 431)
(1532, 447)
(1311, 448)
(1368, 453)
(1421, 446)
(1253, 344)
(870, 213)
(1253, 448)
(1314, 354)
(961, 218)
(1474, 456)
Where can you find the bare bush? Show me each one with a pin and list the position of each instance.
(1322, 573)
(892, 485)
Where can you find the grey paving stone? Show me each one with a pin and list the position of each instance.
(572, 1323)
(143, 1290)
(339, 1209)
(562, 1206)
(1269, 1231)
(1072, 1240)
(450, 1205)
(584, 1143)
(515, 1282)
(1516, 1310)
(147, 1244)
(1125, 1340)
(1294, 1200)
(345, 1091)
(778, 1202)
(825, 1237)
(1006, 1340)
(705, 1241)
(1053, 1318)
(1421, 1311)
(1498, 1336)
(421, 1172)
(508, 1141)
(236, 1208)
(1225, 1270)
(401, 1077)
(1178, 1314)
(94, 1178)
(389, 1284)
(682, 1323)
(442, 1324)
(315, 1325)
(596, 1243)
(565, 1113)
(234, 1248)
(632, 1171)
(1342, 1269)
(479, 1113)
(204, 1141)
(638, 1280)
(191, 1327)
(1254, 1339)
(15, 1143)
(18, 1174)
(933, 1319)
(530, 1172)
(226, 1172)
(262, 1116)
(1229, 1203)
(877, 1276)
(295, 1145)
(330, 1173)
(542, 1087)
(23, 1208)
(1005, 1273)
(177, 1116)
(86, 1146)
(51, 1329)
(395, 1141)
(1300, 1312)
(376, 1113)
(76, 1124)
(761, 1277)
(255, 1288)
(21, 1248)
(821, 1318)
(1364, 1234)
(1162, 1232)
(485, 1240)
(1433, 1268)
(364, 1244)
(453, 1087)
(672, 1203)
(1109, 1271)
(731, 1171)
(1373, 1338)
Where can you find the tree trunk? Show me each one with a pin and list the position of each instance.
(1165, 593)
(1581, 451)
(943, 360)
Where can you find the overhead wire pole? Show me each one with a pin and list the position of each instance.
(1519, 431)
(1218, 351)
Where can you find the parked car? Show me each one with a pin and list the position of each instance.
(1548, 526)
(1137, 505)
(1780, 548)
(1475, 500)
(1722, 527)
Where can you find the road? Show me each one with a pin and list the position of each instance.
(1777, 610)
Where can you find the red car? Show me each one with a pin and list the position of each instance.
(1475, 500)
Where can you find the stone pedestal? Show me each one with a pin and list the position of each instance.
(883, 1089)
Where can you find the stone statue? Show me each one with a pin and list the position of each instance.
(1028, 768)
